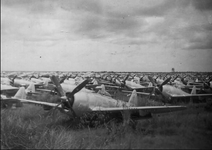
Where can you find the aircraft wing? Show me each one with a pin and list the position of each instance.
(105, 83)
(141, 88)
(7, 87)
(192, 95)
(99, 85)
(110, 86)
(92, 85)
(141, 93)
(191, 86)
(15, 100)
(152, 109)
(113, 86)
(132, 88)
(43, 90)
(38, 102)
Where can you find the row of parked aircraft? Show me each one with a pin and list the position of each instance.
(86, 93)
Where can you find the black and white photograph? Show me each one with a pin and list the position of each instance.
(106, 74)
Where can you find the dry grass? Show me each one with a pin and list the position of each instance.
(30, 127)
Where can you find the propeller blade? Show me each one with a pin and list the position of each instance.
(126, 78)
(157, 77)
(12, 80)
(63, 79)
(118, 80)
(166, 81)
(160, 92)
(175, 78)
(151, 80)
(206, 84)
(59, 88)
(79, 87)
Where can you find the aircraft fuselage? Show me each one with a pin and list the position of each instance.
(171, 90)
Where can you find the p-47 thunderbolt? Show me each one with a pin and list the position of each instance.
(77, 104)
(168, 92)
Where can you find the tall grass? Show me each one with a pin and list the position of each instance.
(31, 127)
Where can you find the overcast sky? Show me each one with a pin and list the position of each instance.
(106, 35)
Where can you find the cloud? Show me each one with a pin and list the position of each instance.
(137, 23)
(136, 31)
(200, 40)
(31, 6)
(202, 5)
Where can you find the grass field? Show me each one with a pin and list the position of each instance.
(31, 127)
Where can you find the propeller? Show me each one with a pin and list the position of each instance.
(12, 80)
(159, 88)
(123, 82)
(63, 79)
(58, 87)
(152, 80)
(69, 99)
(183, 81)
(207, 83)
(141, 78)
(175, 78)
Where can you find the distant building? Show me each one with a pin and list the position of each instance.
(173, 70)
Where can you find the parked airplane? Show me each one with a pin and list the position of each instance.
(7, 81)
(66, 86)
(7, 93)
(17, 82)
(168, 92)
(77, 104)
(8, 89)
(130, 85)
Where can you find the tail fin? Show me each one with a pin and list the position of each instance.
(21, 93)
(95, 82)
(150, 84)
(31, 88)
(45, 83)
(194, 90)
(133, 101)
(103, 91)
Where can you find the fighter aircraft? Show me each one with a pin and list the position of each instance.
(17, 82)
(77, 104)
(7, 81)
(8, 90)
(65, 84)
(129, 85)
(7, 93)
(168, 92)
(179, 83)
